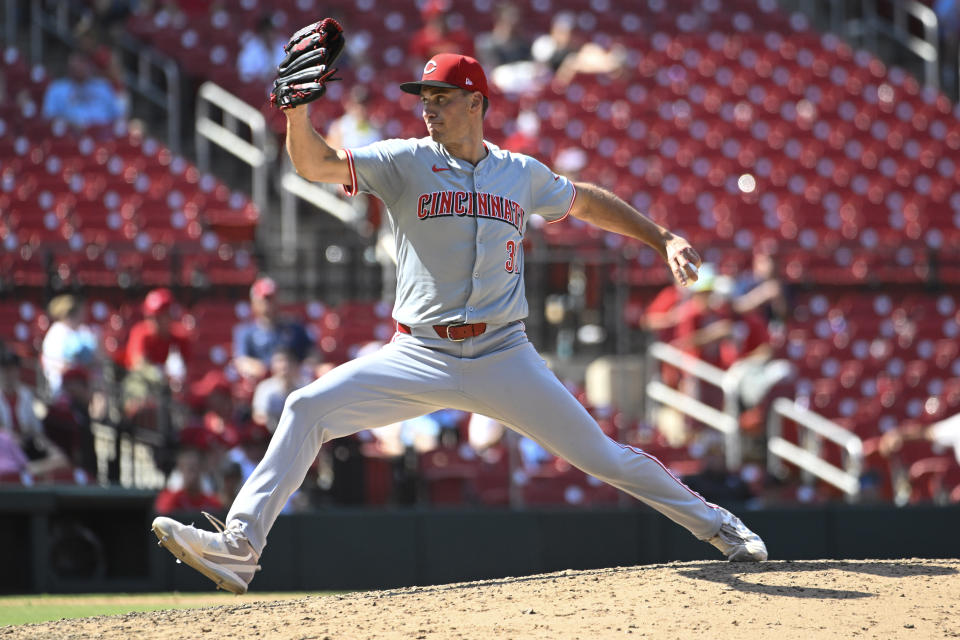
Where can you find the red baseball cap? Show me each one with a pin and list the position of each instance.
(452, 71)
(156, 301)
(263, 288)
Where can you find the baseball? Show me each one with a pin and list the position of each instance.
(692, 274)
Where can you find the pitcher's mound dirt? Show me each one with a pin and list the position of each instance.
(914, 599)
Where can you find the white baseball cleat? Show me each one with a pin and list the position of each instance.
(736, 541)
(225, 557)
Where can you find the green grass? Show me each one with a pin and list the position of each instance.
(42, 608)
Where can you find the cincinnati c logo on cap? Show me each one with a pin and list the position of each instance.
(430, 68)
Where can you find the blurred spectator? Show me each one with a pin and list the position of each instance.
(194, 436)
(591, 58)
(436, 36)
(560, 51)
(714, 331)
(82, 99)
(68, 422)
(17, 466)
(261, 52)
(255, 341)
(152, 340)
(217, 413)
(354, 129)
(17, 413)
(68, 342)
(760, 290)
(13, 460)
(90, 42)
(505, 43)
(157, 349)
(419, 434)
(191, 496)
(526, 137)
(662, 314)
(711, 329)
(570, 161)
(19, 422)
(271, 393)
(702, 320)
(555, 46)
(484, 432)
(423, 433)
(944, 434)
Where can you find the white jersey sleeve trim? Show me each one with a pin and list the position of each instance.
(572, 200)
(351, 189)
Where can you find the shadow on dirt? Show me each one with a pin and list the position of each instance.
(739, 576)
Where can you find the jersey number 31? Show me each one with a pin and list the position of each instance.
(513, 263)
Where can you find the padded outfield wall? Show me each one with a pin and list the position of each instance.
(98, 540)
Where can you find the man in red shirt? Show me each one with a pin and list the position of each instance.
(150, 367)
(152, 338)
(711, 329)
(702, 321)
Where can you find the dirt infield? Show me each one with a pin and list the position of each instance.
(914, 599)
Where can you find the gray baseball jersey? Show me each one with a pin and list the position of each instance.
(458, 227)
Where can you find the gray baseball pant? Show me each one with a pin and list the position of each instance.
(498, 374)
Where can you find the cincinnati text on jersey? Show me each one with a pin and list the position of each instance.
(463, 203)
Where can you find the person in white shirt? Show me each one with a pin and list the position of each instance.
(261, 52)
(272, 392)
(68, 342)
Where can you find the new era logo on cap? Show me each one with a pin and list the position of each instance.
(453, 71)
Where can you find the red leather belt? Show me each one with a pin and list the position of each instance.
(454, 332)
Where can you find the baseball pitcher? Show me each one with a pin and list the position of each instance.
(459, 207)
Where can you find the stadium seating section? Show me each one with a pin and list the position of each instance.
(735, 123)
(109, 210)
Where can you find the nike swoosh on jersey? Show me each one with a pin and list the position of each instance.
(437, 169)
(555, 178)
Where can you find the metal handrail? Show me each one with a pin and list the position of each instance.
(926, 48)
(814, 428)
(727, 422)
(687, 363)
(256, 152)
(142, 82)
(11, 16)
(293, 186)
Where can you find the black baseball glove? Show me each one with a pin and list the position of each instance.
(308, 65)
